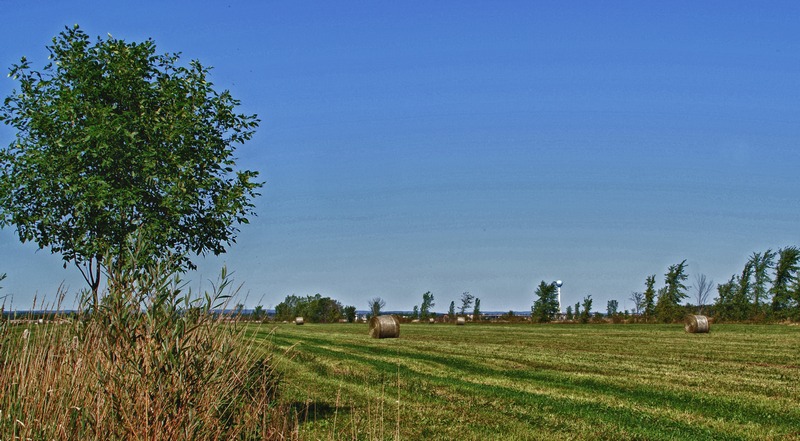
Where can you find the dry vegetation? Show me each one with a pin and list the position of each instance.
(149, 364)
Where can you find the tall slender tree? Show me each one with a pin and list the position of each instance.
(702, 289)
(586, 313)
(761, 263)
(785, 276)
(637, 297)
(649, 306)
(427, 304)
(476, 313)
(724, 307)
(466, 302)
(668, 307)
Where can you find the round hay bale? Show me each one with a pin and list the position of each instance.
(384, 326)
(460, 321)
(697, 324)
(298, 321)
(431, 320)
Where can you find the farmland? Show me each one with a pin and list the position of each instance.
(527, 381)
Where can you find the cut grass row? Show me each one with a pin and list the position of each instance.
(542, 381)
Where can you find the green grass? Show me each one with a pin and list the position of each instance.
(541, 381)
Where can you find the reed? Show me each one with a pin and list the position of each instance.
(151, 361)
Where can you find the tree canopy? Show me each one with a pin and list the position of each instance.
(313, 309)
(546, 305)
(117, 143)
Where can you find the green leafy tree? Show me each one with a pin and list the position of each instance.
(476, 313)
(649, 300)
(313, 309)
(427, 304)
(115, 139)
(611, 308)
(668, 307)
(577, 310)
(451, 313)
(287, 309)
(258, 313)
(743, 295)
(350, 313)
(466, 302)
(415, 312)
(586, 313)
(546, 305)
(761, 263)
(786, 275)
(724, 306)
(569, 312)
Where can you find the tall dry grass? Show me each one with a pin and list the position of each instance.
(150, 362)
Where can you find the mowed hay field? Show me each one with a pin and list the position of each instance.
(523, 381)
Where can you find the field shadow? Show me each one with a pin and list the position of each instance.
(310, 411)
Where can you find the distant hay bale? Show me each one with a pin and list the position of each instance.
(431, 320)
(697, 324)
(460, 321)
(384, 326)
(298, 321)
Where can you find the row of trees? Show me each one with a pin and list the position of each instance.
(314, 309)
(768, 288)
(467, 301)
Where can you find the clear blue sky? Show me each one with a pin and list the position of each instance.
(476, 146)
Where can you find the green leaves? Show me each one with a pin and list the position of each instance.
(114, 138)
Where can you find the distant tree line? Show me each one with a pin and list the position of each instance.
(313, 309)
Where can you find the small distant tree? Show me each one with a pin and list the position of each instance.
(577, 310)
(476, 313)
(638, 301)
(762, 263)
(466, 302)
(744, 293)
(586, 313)
(668, 306)
(546, 305)
(569, 312)
(611, 308)
(724, 305)
(702, 289)
(786, 275)
(427, 304)
(649, 305)
(238, 310)
(375, 305)
(350, 313)
(415, 312)
(259, 313)
(451, 313)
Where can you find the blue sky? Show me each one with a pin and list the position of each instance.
(476, 146)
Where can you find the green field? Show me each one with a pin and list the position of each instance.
(541, 381)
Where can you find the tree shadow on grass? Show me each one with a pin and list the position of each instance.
(311, 411)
